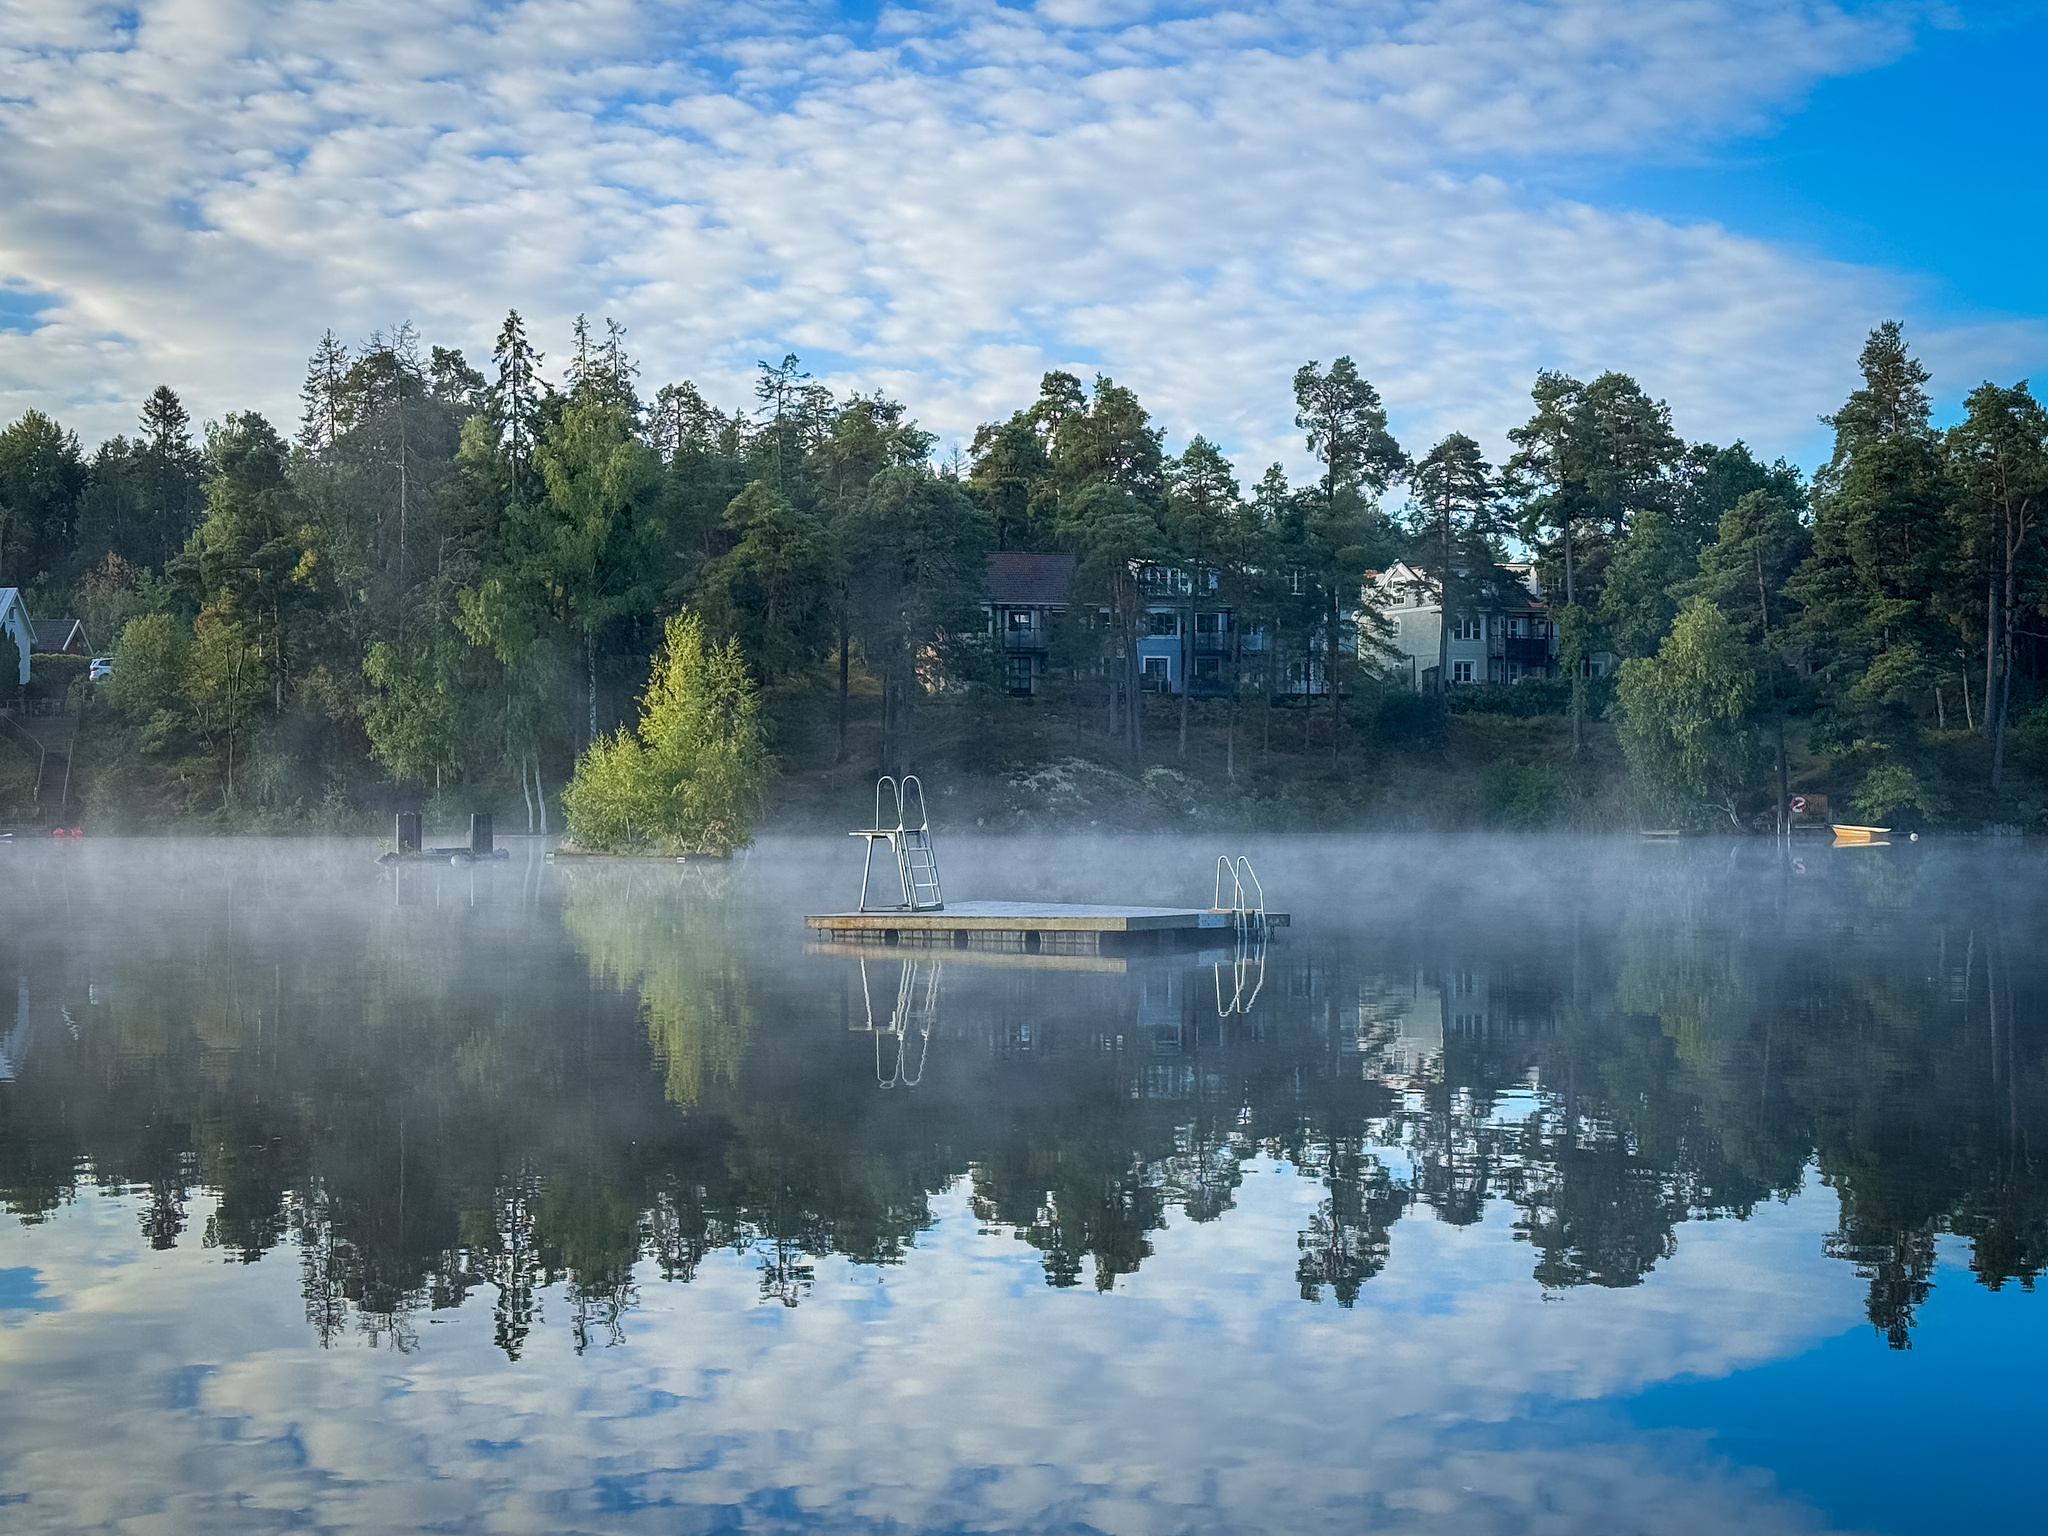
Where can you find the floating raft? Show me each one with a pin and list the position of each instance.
(1037, 927)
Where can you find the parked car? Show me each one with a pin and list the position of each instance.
(100, 669)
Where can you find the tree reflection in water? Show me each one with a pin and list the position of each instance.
(576, 1093)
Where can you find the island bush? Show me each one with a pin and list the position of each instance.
(689, 777)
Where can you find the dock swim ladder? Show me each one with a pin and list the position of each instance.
(917, 861)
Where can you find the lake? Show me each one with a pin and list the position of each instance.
(1524, 1185)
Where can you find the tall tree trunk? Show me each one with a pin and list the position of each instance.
(1784, 782)
(843, 643)
(906, 720)
(883, 742)
(1336, 676)
(1134, 720)
(590, 673)
(1443, 606)
(1990, 648)
(1571, 602)
(1578, 665)
(1187, 667)
(2015, 537)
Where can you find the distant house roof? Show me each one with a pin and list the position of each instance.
(1409, 581)
(61, 637)
(15, 626)
(1029, 580)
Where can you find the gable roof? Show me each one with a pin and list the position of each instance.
(65, 636)
(1418, 582)
(1026, 580)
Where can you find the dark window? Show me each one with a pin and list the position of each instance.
(1209, 623)
(1020, 618)
(1165, 623)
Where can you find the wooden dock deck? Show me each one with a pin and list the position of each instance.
(1035, 927)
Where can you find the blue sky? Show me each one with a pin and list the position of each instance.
(1719, 196)
(1929, 165)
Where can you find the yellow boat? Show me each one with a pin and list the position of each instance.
(1861, 834)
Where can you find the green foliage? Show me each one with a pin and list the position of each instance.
(53, 677)
(456, 578)
(1401, 717)
(1521, 795)
(1890, 788)
(41, 476)
(410, 711)
(769, 589)
(690, 779)
(189, 693)
(1531, 696)
(1687, 725)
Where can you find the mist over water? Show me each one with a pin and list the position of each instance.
(1522, 1184)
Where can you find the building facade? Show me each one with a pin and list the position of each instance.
(1497, 636)
(1028, 600)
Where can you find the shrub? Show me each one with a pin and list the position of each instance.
(1531, 696)
(1402, 717)
(1893, 787)
(1513, 794)
(691, 777)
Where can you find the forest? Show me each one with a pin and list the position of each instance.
(448, 584)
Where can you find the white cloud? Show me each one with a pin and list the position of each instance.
(1193, 200)
(954, 1391)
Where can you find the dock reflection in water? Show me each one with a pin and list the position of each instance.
(452, 1199)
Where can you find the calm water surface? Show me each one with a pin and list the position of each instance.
(1522, 1186)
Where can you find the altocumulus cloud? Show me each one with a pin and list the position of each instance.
(940, 201)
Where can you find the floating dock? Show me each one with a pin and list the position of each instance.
(1037, 927)
(922, 918)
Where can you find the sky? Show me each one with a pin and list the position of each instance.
(943, 201)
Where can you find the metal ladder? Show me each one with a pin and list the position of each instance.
(917, 861)
(1244, 917)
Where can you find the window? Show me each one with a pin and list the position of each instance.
(1165, 623)
(1208, 623)
(1461, 671)
(1466, 628)
(1020, 619)
(1208, 666)
(1020, 675)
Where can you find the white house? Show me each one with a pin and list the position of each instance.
(1497, 636)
